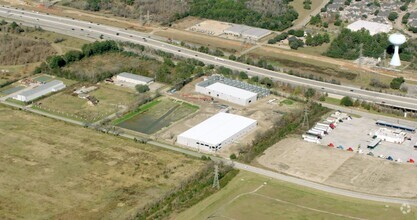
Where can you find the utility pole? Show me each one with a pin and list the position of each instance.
(216, 183)
(306, 123)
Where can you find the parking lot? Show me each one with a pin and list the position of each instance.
(357, 132)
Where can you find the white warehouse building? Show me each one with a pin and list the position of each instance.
(134, 79)
(217, 132)
(228, 93)
(30, 95)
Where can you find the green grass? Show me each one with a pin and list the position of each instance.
(141, 109)
(16, 101)
(153, 117)
(274, 199)
(333, 101)
(287, 102)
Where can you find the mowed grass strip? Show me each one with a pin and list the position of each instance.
(53, 170)
(251, 196)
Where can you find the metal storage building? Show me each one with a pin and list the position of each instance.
(134, 79)
(216, 132)
(30, 95)
(228, 93)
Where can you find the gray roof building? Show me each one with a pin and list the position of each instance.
(133, 78)
(39, 91)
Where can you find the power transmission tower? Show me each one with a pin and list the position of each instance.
(216, 183)
(306, 123)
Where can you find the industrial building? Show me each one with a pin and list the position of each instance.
(30, 95)
(230, 90)
(396, 126)
(216, 132)
(372, 27)
(394, 136)
(134, 79)
(248, 32)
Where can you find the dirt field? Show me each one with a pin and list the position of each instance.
(266, 114)
(200, 39)
(210, 27)
(341, 168)
(52, 170)
(250, 196)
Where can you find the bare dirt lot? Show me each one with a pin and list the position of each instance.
(200, 39)
(342, 169)
(52, 170)
(266, 114)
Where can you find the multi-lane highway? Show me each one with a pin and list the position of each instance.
(92, 31)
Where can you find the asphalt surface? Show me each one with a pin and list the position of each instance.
(92, 31)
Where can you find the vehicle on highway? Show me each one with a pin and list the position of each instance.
(117, 34)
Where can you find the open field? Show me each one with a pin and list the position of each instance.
(52, 170)
(111, 99)
(250, 196)
(160, 114)
(67, 43)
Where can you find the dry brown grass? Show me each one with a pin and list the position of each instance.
(52, 170)
(16, 50)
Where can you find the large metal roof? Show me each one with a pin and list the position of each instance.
(136, 77)
(232, 91)
(218, 128)
(41, 88)
(261, 91)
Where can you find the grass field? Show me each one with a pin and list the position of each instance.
(68, 43)
(250, 196)
(111, 99)
(53, 170)
(157, 115)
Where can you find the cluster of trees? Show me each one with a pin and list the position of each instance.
(295, 43)
(142, 88)
(54, 64)
(317, 39)
(180, 73)
(307, 4)
(16, 50)
(347, 44)
(237, 12)
(188, 193)
(278, 38)
(378, 84)
(397, 82)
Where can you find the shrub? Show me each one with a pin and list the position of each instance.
(142, 88)
(346, 101)
(396, 82)
(233, 156)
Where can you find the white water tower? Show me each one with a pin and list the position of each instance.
(397, 40)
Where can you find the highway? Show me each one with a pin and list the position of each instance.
(91, 31)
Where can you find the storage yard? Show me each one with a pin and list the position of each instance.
(229, 30)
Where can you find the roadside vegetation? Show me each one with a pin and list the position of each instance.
(188, 193)
(289, 124)
(269, 14)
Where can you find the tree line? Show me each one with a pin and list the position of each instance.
(237, 12)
